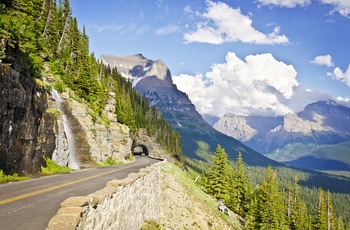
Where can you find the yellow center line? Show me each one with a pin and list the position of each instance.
(59, 186)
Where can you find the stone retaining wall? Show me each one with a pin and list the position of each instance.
(122, 204)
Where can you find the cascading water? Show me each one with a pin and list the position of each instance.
(72, 162)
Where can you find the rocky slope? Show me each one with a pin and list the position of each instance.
(293, 136)
(153, 79)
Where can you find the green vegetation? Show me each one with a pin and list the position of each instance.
(151, 225)
(52, 167)
(111, 161)
(268, 205)
(8, 178)
(197, 192)
(43, 39)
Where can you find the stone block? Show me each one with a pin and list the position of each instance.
(75, 201)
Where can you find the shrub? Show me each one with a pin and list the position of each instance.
(52, 167)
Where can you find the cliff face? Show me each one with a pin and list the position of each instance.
(26, 129)
(32, 127)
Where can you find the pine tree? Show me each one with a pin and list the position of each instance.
(269, 210)
(321, 222)
(331, 224)
(218, 179)
(240, 188)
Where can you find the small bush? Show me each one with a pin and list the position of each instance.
(52, 167)
(111, 161)
(7, 178)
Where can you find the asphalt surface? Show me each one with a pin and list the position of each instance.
(32, 203)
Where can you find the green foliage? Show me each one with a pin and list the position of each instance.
(8, 178)
(218, 178)
(55, 112)
(111, 161)
(151, 225)
(52, 167)
(240, 188)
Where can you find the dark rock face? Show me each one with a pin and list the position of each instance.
(26, 129)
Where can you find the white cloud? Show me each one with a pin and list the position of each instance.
(340, 6)
(339, 75)
(221, 24)
(285, 3)
(169, 29)
(323, 60)
(258, 85)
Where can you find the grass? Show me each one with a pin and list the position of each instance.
(111, 161)
(151, 225)
(53, 168)
(198, 194)
(9, 178)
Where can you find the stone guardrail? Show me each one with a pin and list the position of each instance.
(122, 204)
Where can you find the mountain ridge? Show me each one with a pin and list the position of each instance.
(179, 110)
(294, 135)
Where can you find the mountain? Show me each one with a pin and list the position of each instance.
(153, 79)
(295, 138)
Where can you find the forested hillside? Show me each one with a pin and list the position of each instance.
(267, 203)
(41, 40)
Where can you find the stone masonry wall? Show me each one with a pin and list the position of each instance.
(122, 204)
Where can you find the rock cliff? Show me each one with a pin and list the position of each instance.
(32, 127)
(26, 128)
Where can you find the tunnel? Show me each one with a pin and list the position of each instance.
(140, 149)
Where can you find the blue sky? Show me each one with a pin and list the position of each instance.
(258, 57)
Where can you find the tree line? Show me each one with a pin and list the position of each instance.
(267, 205)
(42, 38)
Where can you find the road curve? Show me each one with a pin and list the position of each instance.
(32, 203)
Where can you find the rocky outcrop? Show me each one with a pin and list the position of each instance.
(32, 127)
(96, 141)
(26, 127)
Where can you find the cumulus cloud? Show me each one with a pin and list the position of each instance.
(285, 3)
(257, 85)
(323, 60)
(340, 6)
(169, 29)
(222, 23)
(339, 75)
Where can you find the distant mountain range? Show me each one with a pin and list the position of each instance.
(153, 79)
(313, 138)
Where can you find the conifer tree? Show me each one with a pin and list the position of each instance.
(320, 222)
(269, 208)
(240, 188)
(218, 178)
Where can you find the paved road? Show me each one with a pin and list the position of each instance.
(32, 203)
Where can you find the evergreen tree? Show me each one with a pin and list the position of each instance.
(269, 207)
(240, 188)
(218, 178)
(321, 222)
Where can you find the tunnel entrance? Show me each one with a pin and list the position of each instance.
(140, 149)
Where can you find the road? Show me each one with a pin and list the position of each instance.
(32, 203)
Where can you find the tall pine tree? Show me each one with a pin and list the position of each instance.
(218, 178)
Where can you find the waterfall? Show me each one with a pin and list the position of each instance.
(72, 162)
